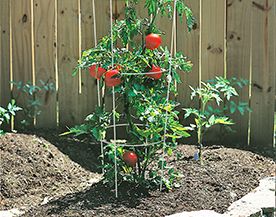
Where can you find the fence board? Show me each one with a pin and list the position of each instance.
(212, 41)
(68, 54)
(263, 72)
(21, 49)
(5, 52)
(45, 54)
(188, 43)
(238, 61)
(88, 84)
(205, 46)
(213, 28)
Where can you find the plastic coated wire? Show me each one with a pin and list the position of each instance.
(167, 99)
(98, 82)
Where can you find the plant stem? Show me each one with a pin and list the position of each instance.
(199, 132)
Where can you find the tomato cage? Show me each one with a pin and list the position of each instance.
(123, 142)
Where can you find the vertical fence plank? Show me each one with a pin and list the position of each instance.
(89, 87)
(5, 52)
(263, 72)
(45, 53)
(21, 49)
(213, 26)
(188, 43)
(68, 54)
(213, 35)
(238, 61)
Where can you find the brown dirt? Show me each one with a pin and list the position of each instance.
(30, 171)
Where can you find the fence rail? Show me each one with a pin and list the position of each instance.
(43, 39)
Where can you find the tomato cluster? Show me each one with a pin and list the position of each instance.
(112, 79)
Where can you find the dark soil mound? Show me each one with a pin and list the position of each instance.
(226, 175)
(32, 169)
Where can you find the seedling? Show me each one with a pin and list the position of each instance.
(32, 109)
(7, 113)
(214, 91)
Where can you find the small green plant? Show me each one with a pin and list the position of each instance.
(7, 113)
(34, 102)
(219, 91)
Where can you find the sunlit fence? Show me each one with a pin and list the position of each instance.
(43, 39)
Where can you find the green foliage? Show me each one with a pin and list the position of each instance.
(219, 91)
(148, 171)
(95, 125)
(145, 108)
(33, 93)
(7, 113)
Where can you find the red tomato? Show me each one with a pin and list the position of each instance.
(109, 80)
(96, 71)
(156, 75)
(130, 158)
(153, 41)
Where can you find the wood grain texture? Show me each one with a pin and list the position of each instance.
(68, 54)
(88, 89)
(212, 38)
(5, 52)
(263, 72)
(213, 31)
(188, 44)
(45, 55)
(238, 61)
(21, 50)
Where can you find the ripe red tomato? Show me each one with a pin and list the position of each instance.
(156, 75)
(153, 41)
(110, 81)
(130, 158)
(96, 71)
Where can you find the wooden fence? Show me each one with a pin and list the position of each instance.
(43, 39)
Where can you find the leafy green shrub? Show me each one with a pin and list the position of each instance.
(7, 113)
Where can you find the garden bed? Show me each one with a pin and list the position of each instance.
(34, 168)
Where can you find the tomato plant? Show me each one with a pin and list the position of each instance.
(218, 90)
(7, 113)
(140, 77)
(36, 95)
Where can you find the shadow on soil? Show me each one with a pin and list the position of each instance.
(99, 196)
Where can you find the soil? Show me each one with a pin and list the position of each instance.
(33, 170)
(47, 165)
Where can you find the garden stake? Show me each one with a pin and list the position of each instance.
(98, 81)
(169, 79)
(113, 102)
